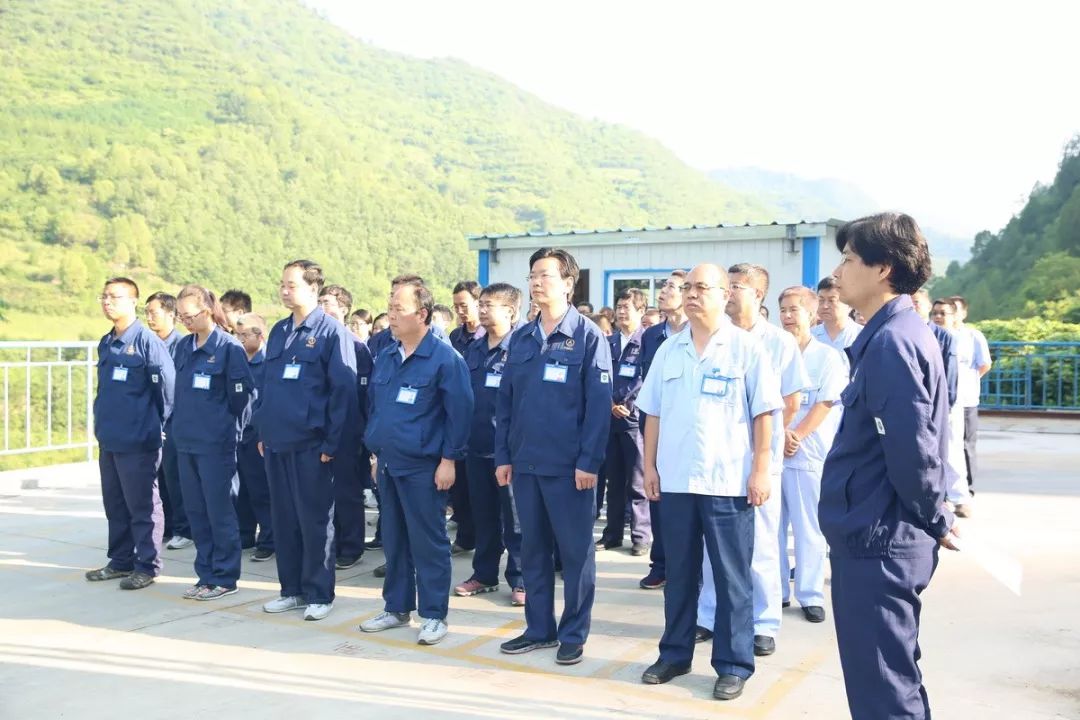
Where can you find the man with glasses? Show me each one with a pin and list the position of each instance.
(134, 399)
(710, 399)
(234, 303)
(553, 411)
(836, 329)
(670, 302)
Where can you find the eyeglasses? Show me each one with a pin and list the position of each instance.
(188, 319)
(491, 306)
(698, 287)
(113, 298)
(541, 277)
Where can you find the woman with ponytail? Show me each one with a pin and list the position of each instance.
(213, 388)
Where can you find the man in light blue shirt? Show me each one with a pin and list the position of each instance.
(836, 329)
(973, 361)
(710, 400)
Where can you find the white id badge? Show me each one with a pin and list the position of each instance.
(806, 398)
(291, 372)
(200, 381)
(492, 380)
(717, 386)
(555, 373)
(407, 396)
(627, 370)
(119, 374)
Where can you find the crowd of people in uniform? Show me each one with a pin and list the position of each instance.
(717, 434)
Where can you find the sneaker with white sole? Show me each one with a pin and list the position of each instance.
(317, 611)
(193, 592)
(214, 592)
(285, 604)
(472, 586)
(177, 542)
(432, 631)
(385, 621)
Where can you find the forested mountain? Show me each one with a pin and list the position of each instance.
(213, 140)
(1031, 267)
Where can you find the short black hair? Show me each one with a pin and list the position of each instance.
(508, 294)
(167, 302)
(751, 271)
(891, 239)
(405, 279)
(343, 296)
(362, 315)
(313, 274)
(123, 281)
(635, 296)
(827, 283)
(470, 286)
(236, 299)
(588, 307)
(959, 300)
(568, 266)
(443, 310)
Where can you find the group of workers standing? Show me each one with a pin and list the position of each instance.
(718, 434)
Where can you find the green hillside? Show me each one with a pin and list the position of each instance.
(213, 140)
(1031, 267)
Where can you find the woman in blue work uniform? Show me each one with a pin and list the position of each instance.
(213, 385)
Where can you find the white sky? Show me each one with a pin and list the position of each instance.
(948, 110)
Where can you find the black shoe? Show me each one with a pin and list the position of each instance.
(814, 613)
(763, 645)
(261, 555)
(652, 582)
(346, 562)
(380, 572)
(136, 581)
(639, 549)
(522, 644)
(728, 687)
(786, 603)
(106, 573)
(569, 654)
(702, 634)
(661, 672)
(247, 543)
(373, 545)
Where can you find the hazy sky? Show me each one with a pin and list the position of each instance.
(949, 110)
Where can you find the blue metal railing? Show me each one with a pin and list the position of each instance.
(1033, 376)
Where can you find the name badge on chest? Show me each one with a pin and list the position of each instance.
(492, 380)
(627, 370)
(406, 396)
(717, 385)
(119, 374)
(555, 373)
(805, 398)
(199, 381)
(291, 372)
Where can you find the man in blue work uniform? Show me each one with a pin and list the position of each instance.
(301, 417)
(551, 425)
(710, 400)
(493, 507)
(421, 407)
(670, 302)
(134, 399)
(882, 503)
(353, 460)
(624, 439)
(250, 330)
(836, 329)
(466, 299)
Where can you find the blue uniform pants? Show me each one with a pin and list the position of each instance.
(657, 564)
(247, 522)
(129, 492)
(497, 526)
(461, 500)
(727, 524)
(207, 484)
(302, 506)
(349, 501)
(556, 517)
(626, 481)
(415, 544)
(876, 609)
(172, 495)
(252, 470)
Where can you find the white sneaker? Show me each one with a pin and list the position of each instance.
(317, 611)
(284, 604)
(179, 543)
(385, 621)
(432, 631)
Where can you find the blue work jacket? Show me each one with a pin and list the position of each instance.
(365, 365)
(553, 410)
(213, 386)
(309, 388)
(627, 377)
(486, 366)
(257, 368)
(384, 339)
(947, 343)
(170, 344)
(420, 407)
(134, 392)
(883, 484)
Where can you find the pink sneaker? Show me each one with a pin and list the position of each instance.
(472, 586)
(517, 597)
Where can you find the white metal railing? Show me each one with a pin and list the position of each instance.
(48, 396)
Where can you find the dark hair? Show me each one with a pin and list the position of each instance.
(890, 239)
(752, 272)
(470, 286)
(636, 297)
(947, 302)
(313, 274)
(378, 318)
(568, 267)
(959, 300)
(167, 302)
(406, 279)
(508, 294)
(207, 300)
(424, 299)
(444, 311)
(763, 311)
(123, 281)
(827, 283)
(362, 315)
(588, 307)
(343, 296)
(237, 300)
(607, 312)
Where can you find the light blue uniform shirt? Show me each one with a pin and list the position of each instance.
(828, 378)
(706, 406)
(786, 363)
(843, 340)
(972, 352)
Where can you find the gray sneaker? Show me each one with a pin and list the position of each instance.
(193, 592)
(432, 631)
(284, 604)
(214, 592)
(385, 621)
(176, 542)
(317, 611)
